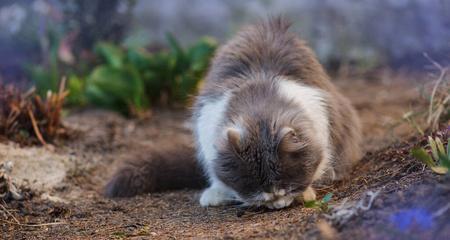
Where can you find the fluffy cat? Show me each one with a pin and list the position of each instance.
(268, 122)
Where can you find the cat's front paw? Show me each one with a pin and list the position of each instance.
(215, 196)
(281, 202)
(309, 194)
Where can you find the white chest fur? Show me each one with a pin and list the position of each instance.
(208, 130)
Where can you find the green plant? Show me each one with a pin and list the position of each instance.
(130, 79)
(171, 76)
(185, 67)
(321, 204)
(76, 87)
(46, 76)
(116, 84)
(439, 160)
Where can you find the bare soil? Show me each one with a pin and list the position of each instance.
(77, 210)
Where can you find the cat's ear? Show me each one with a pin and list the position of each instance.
(290, 141)
(234, 138)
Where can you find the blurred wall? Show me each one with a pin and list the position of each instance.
(367, 31)
(363, 32)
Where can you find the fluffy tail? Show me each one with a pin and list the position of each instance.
(166, 168)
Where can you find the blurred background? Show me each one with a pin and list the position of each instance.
(127, 55)
(100, 82)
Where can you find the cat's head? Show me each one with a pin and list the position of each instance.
(264, 160)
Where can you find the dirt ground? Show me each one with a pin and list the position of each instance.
(75, 209)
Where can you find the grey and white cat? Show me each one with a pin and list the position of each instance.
(268, 123)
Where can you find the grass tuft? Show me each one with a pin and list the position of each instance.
(27, 118)
(437, 110)
(438, 160)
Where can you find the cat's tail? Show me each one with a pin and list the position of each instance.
(165, 168)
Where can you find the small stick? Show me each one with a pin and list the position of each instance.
(29, 92)
(10, 214)
(441, 211)
(35, 225)
(35, 127)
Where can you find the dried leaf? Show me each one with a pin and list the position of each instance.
(440, 170)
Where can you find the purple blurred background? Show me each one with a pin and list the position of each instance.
(364, 33)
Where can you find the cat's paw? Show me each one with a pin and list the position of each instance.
(281, 202)
(215, 196)
(309, 194)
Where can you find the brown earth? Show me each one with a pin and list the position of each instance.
(105, 138)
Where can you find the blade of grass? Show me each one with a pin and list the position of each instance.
(448, 148)
(423, 156)
(433, 146)
(440, 170)
(440, 146)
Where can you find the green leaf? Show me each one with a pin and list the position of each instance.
(448, 148)
(444, 161)
(174, 45)
(310, 204)
(423, 156)
(433, 146)
(440, 146)
(112, 54)
(200, 53)
(139, 59)
(76, 87)
(327, 197)
(44, 79)
(119, 89)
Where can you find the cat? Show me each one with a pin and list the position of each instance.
(268, 122)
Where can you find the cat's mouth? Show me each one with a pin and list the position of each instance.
(280, 202)
(277, 203)
(276, 200)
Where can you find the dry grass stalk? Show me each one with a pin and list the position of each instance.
(437, 110)
(440, 96)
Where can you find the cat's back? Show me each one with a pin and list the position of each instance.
(265, 51)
